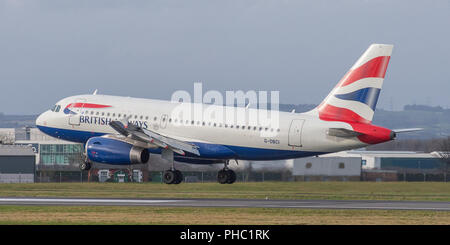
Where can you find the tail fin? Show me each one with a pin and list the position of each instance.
(354, 98)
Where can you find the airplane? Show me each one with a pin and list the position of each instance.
(124, 130)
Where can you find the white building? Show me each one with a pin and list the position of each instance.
(391, 159)
(327, 168)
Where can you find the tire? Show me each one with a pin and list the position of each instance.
(178, 177)
(222, 176)
(169, 177)
(231, 176)
(84, 166)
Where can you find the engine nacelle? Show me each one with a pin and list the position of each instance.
(112, 151)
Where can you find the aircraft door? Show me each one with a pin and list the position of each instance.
(74, 110)
(295, 133)
(163, 122)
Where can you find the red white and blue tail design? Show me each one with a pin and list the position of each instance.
(355, 97)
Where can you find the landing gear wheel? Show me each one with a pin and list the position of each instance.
(169, 177)
(85, 166)
(172, 177)
(226, 176)
(178, 177)
(231, 176)
(222, 176)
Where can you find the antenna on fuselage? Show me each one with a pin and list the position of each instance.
(95, 92)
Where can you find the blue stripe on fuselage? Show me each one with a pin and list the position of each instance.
(207, 151)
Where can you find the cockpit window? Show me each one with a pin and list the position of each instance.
(56, 108)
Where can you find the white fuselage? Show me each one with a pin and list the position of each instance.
(293, 132)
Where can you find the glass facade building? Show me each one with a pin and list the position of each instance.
(60, 154)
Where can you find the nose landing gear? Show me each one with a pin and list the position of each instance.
(85, 166)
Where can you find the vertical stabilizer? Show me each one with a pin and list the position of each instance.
(355, 97)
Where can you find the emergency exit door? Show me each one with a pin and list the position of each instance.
(295, 132)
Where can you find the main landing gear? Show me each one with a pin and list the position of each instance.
(172, 176)
(226, 175)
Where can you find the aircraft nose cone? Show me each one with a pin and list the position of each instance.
(42, 119)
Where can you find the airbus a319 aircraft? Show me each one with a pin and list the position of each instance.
(124, 130)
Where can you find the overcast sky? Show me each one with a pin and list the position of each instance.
(53, 49)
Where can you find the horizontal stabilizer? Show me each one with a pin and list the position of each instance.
(343, 132)
(405, 130)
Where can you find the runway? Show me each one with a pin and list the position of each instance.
(237, 203)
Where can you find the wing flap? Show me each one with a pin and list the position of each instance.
(149, 136)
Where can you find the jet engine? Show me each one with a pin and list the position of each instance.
(113, 151)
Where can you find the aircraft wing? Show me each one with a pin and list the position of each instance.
(148, 136)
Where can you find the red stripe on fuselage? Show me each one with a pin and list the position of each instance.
(375, 67)
(86, 105)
